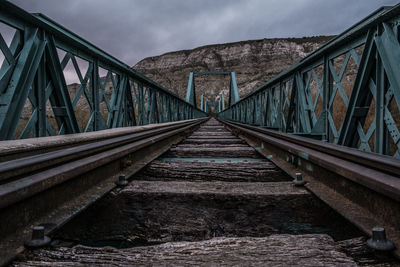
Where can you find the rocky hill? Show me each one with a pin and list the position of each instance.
(254, 62)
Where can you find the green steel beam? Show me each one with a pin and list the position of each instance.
(32, 74)
(219, 103)
(311, 97)
(212, 73)
(190, 90)
(233, 90)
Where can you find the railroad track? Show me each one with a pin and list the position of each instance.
(48, 181)
(229, 199)
(363, 187)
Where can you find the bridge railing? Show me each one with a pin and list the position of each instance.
(53, 82)
(347, 92)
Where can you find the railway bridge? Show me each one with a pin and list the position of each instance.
(118, 170)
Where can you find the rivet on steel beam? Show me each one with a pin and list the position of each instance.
(298, 180)
(122, 181)
(39, 239)
(378, 240)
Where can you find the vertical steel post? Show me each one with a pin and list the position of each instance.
(327, 88)
(95, 95)
(190, 92)
(40, 89)
(379, 107)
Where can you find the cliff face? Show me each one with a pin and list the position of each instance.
(255, 62)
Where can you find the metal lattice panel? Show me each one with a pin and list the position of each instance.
(53, 82)
(347, 92)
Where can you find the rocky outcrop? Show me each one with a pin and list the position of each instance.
(255, 62)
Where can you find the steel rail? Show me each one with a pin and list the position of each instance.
(32, 184)
(29, 164)
(15, 149)
(379, 162)
(366, 190)
(68, 181)
(364, 174)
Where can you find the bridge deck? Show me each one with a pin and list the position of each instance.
(207, 200)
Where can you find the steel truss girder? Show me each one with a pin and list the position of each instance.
(304, 98)
(191, 89)
(33, 76)
(220, 103)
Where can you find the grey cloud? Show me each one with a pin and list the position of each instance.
(134, 29)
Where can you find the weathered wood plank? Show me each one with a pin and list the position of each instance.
(212, 129)
(159, 211)
(226, 171)
(217, 145)
(275, 189)
(232, 152)
(212, 137)
(213, 141)
(210, 134)
(274, 250)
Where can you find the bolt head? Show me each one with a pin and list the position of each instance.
(122, 181)
(378, 240)
(39, 239)
(298, 180)
(378, 234)
(38, 232)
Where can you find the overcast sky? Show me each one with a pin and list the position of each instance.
(134, 29)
